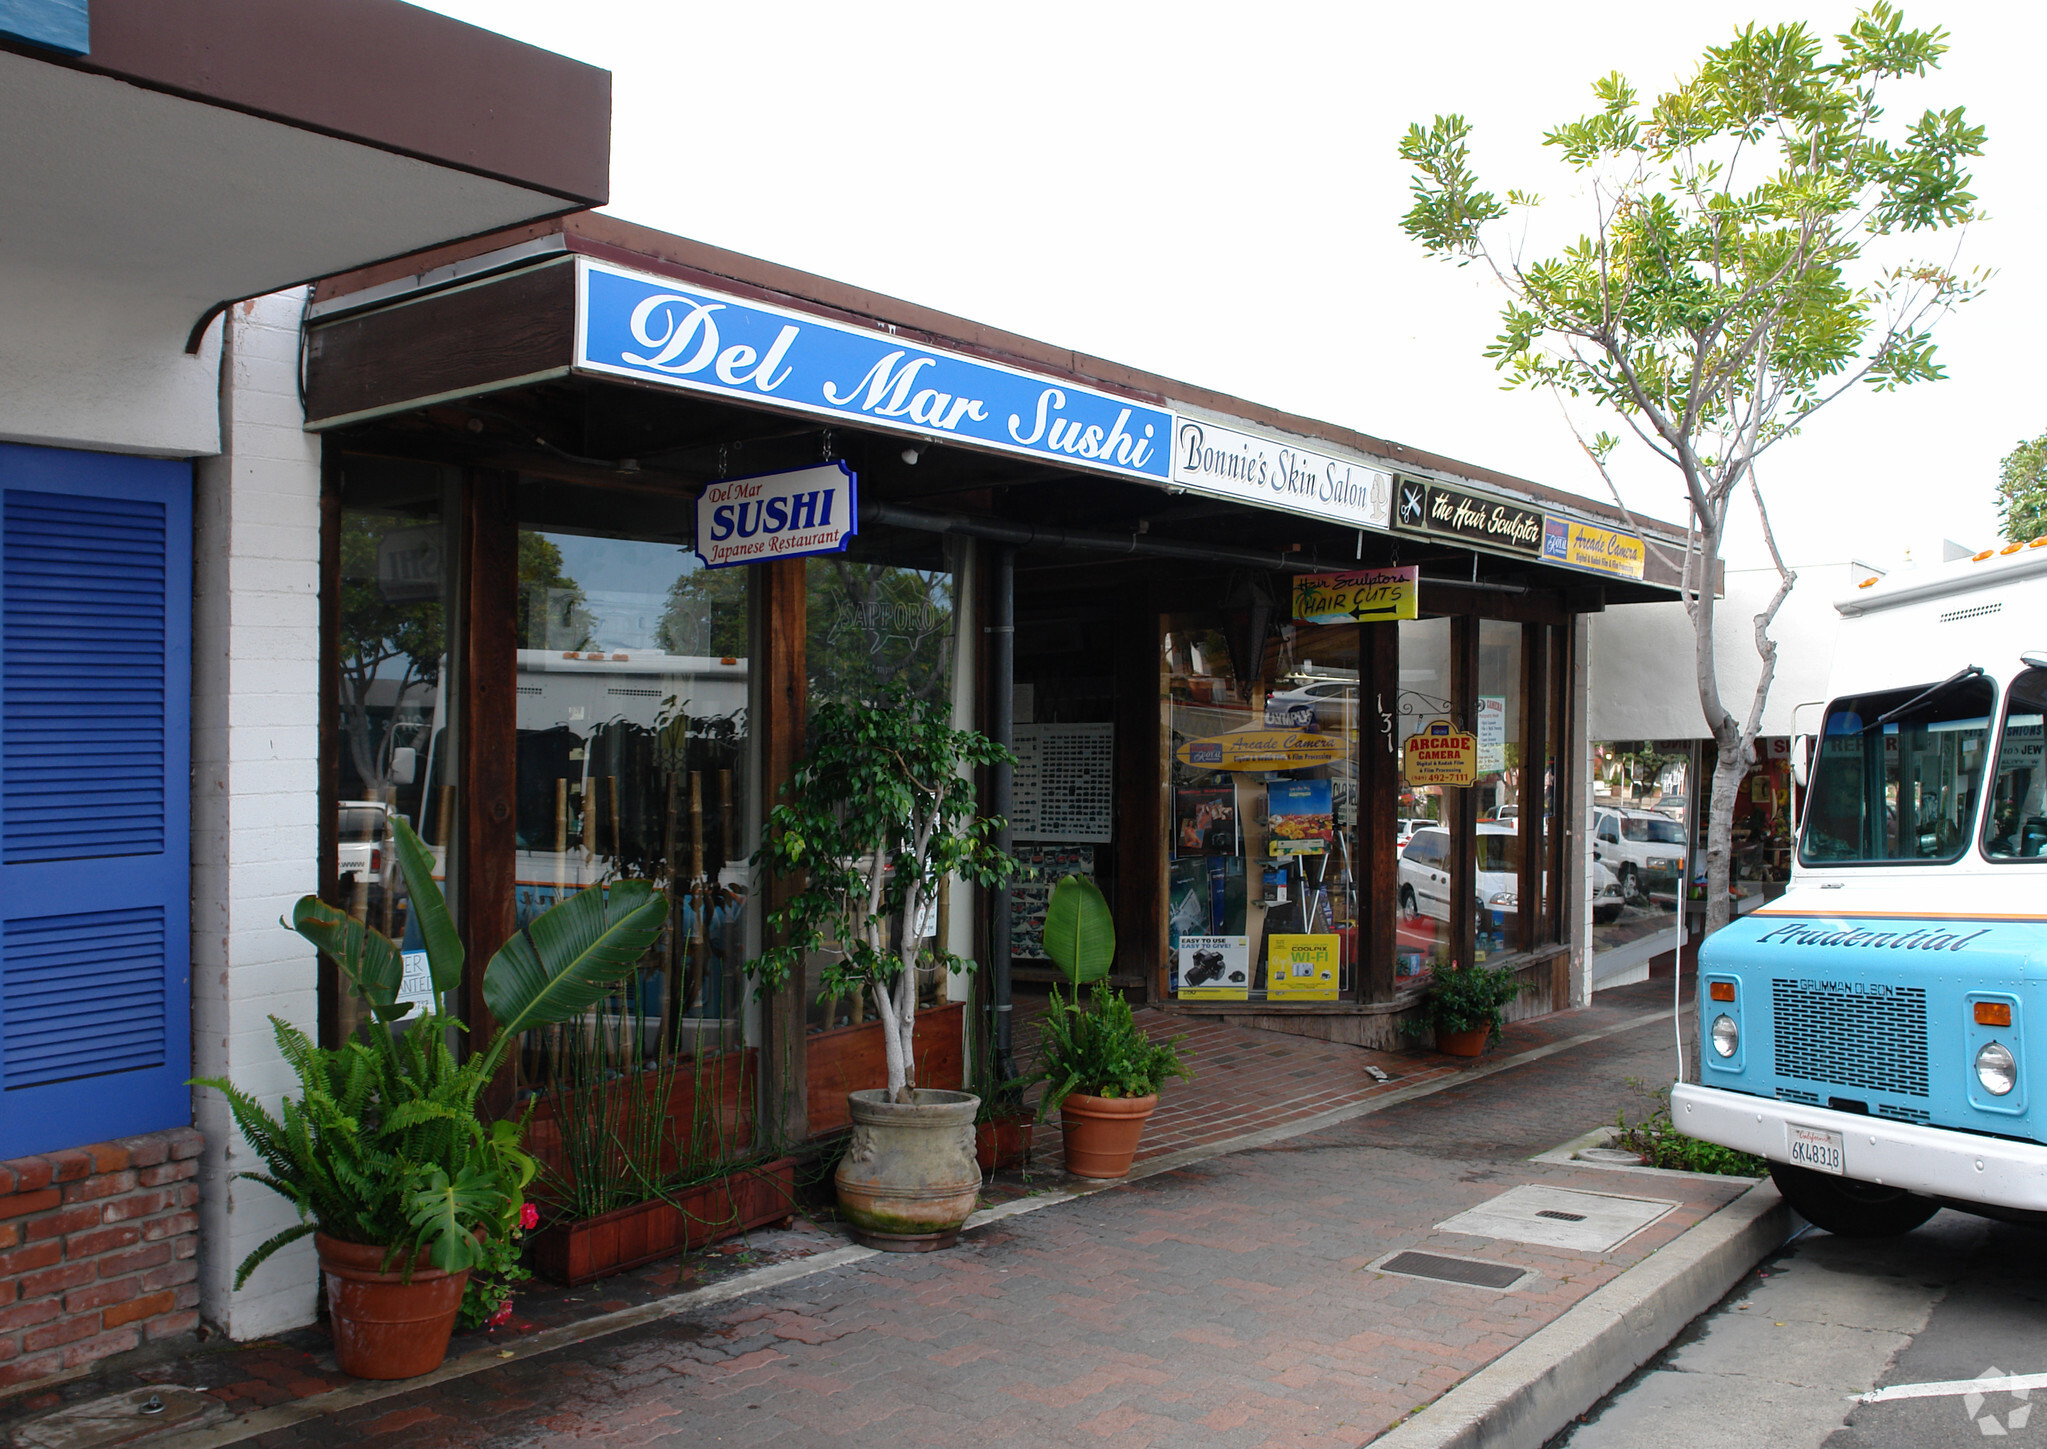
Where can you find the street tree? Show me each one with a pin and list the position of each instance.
(1749, 261)
(2022, 491)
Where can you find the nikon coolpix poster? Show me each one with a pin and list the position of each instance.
(1302, 968)
(1213, 968)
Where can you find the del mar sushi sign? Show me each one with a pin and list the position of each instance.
(654, 329)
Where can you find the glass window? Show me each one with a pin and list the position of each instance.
(1261, 734)
(869, 625)
(1639, 794)
(1897, 775)
(1497, 715)
(1422, 881)
(2017, 826)
(632, 738)
(393, 691)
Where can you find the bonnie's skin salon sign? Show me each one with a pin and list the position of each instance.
(777, 515)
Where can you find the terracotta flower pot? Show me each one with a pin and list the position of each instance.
(1004, 1142)
(385, 1327)
(584, 1249)
(1101, 1132)
(909, 1180)
(1469, 1043)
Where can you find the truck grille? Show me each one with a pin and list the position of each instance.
(1845, 1039)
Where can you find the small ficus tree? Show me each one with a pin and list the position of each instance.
(881, 811)
(1742, 269)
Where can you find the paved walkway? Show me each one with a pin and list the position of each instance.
(1229, 1300)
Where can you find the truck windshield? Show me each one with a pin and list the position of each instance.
(2017, 826)
(1903, 791)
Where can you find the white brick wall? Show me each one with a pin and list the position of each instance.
(255, 792)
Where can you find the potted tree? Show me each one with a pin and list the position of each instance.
(404, 1186)
(880, 812)
(1464, 1008)
(1102, 1074)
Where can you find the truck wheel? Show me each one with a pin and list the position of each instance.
(1407, 905)
(1850, 1209)
(1630, 883)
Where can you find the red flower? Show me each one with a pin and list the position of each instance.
(503, 1315)
(529, 1216)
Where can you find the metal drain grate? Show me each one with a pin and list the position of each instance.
(1468, 1271)
(1560, 1217)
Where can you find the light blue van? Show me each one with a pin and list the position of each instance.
(1879, 1033)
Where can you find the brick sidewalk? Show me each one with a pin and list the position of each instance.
(1226, 1302)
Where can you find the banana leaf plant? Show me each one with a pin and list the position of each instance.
(384, 1143)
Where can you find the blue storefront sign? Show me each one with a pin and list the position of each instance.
(777, 515)
(653, 329)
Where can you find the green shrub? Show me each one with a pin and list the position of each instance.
(1099, 1051)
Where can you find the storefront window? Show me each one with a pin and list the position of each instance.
(1497, 716)
(1425, 835)
(633, 671)
(873, 625)
(1261, 870)
(393, 692)
(1641, 794)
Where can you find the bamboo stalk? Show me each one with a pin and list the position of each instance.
(617, 820)
(561, 836)
(698, 936)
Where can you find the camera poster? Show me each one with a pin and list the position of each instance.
(1301, 968)
(1213, 968)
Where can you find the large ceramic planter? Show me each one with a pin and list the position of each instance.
(577, 1252)
(909, 1178)
(1002, 1142)
(1101, 1132)
(1469, 1043)
(386, 1326)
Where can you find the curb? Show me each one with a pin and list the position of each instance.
(1535, 1389)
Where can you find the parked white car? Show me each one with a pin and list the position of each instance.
(362, 835)
(1607, 896)
(1425, 871)
(1642, 848)
(1405, 828)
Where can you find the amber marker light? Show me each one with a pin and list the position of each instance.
(1993, 1013)
(1983, 555)
(1724, 991)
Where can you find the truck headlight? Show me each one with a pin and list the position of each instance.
(1727, 1036)
(1996, 1069)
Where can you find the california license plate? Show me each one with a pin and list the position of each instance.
(1817, 1149)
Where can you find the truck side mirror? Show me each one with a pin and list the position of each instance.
(1801, 760)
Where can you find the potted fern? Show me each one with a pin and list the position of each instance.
(404, 1187)
(1465, 1008)
(1102, 1074)
(881, 811)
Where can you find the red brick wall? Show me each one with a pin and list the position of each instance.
(98, 1251)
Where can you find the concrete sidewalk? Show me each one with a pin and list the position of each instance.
(1230, 1297)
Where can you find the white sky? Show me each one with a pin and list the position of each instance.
(1212, 192)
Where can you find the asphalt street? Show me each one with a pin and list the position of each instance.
(1901, 1343)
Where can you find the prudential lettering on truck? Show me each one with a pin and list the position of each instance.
(653, 329)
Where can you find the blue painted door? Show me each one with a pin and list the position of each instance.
(95, 782)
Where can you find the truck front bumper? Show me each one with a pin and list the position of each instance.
(1934, 1161)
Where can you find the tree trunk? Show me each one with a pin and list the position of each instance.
(1730, 763)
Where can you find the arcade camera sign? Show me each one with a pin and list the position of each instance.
(1440, 755)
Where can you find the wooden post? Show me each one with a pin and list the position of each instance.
(1378, 775)
(779, 655)
(488, 722)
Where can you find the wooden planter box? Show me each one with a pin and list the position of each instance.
(575, 1253)
(852, 1059)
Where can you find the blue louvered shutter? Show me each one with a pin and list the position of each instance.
(95, 747)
